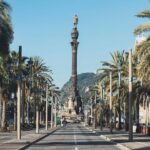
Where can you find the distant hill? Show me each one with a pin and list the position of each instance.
(84, 80)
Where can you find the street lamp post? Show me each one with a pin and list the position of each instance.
(130, 96)
(30, 62)
(18, 111)
(37, 119)
(19, 96)
(110, 102)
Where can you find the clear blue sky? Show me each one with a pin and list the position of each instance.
(43, 28)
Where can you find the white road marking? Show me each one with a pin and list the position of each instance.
(75, 140)
(76, 148)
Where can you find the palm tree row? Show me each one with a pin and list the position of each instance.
(31, 73)
(141, 75)
(34, 75)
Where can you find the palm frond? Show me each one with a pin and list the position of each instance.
(145, 13)
(142, 28)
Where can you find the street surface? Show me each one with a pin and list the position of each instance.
(73, 137)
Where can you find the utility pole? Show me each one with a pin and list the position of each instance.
(110, 102)
(19, 96)
(130, 96)
(46, 111)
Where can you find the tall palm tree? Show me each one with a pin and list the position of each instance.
(113, 66)
(13, 60)
(4, 86)
(6, 30)
(6, 37)
(40, 72)
(13, 72)
(142, 55)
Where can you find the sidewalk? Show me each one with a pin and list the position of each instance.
(120, 138)
(8, 141)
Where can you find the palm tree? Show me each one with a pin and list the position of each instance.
(144, 27)
(142, 55)
(114, 68)
(143, 68)
(6, 37)
(4, 86)
(40, 72)
(142, 50)
(6, 31)
(12, 62)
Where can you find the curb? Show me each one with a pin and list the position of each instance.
(38, 139)
(121, 146)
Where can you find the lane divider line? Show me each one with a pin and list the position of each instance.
(75, 140)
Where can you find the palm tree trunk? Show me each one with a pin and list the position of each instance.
(127, 115)
(34, 112)
(115, 117)
(0, 103)
(137, 115)
(0, 110)
(40, 117)
(28, 121)
(15, 116)
(119, 113)
(28, 108)
(3, 121)
(23, 103)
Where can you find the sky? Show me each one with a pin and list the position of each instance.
(43, 28)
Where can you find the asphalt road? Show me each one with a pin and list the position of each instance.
(73, 137)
